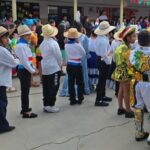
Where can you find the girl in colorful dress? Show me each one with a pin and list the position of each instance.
(122, 72)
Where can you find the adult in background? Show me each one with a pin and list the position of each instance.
(52, 22)
(103, 16)
(103, 61)
(51, 68)
(7, 62)
(66, 22)
(87, 25)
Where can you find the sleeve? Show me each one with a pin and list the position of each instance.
(135, 58)
(140, 61)
(20, 52)
(8, 59)
(86, 44)
(82, 50)
(57, 54)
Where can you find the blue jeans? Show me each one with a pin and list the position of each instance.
(3, 109)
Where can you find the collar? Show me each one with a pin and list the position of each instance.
(145, 48)
(23, 41)
(71, 41)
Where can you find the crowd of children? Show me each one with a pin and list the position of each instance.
(122, 56)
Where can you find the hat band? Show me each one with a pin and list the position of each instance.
(3, 33)
(103, 28)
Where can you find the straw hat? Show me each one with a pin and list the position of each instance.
(117, 34)
(126, 32)
(24, 30)
(104, 28)
(3, 31)
(72, 33)
(49, 31)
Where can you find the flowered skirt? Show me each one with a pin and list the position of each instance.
(122, 73)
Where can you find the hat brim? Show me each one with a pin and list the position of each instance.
(117, 36)
(98, 31)
(66, 34)
(2, 34)
(51, 35)
(26, 33)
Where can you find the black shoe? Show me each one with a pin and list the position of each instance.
(121, 111)
(28, 116)
(107, 99)
(73, 102)
(9, 129)
(80, 102)
(29, 110)
(129, 115)
(101, 104)
(144, 137)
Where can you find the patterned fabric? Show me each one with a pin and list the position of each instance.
(33, 44)
(122, 71)
(92, 67)
(140, 62)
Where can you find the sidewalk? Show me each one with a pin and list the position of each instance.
(82, 127)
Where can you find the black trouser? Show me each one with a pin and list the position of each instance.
(25, 82)
(111, 70)
(3, 109)
(103, 75)
(75, 76)
(50, 88)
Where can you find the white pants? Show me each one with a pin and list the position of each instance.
(143, 95)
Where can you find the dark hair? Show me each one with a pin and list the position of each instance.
(77, 25)
(144, 38)
(51, 21)
(125, 39)
(93, 33)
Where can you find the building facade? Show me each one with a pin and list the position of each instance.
(46, 9)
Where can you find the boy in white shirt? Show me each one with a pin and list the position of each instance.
(25, 69)
(7, 62)
(75, 52)
(51, 68)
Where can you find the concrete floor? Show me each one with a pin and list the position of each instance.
(82, 127)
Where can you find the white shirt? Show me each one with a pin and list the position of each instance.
(102, 48)
(92, 45)
(103, 17)
(52, 58)
(75, 52)
(7, 62)
(23, 52)
(114, 45)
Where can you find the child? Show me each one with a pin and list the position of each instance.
(75, 52)
(140, 59)
(51, 67)
(25, 69)
(7, 62)
(122, 73)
